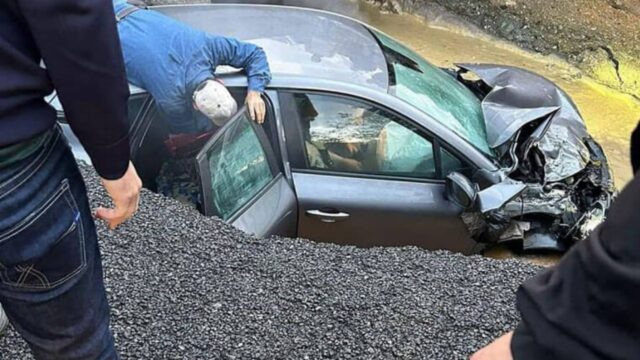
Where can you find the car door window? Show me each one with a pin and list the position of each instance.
(134, 105)
(451, 163)
(236, 167)
(347, 135)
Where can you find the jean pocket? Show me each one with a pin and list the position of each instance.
(47, 248)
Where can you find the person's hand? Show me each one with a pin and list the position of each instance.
(256, 106)
(125, 194)
(352, 148)
(500, 349)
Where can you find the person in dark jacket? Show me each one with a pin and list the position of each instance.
(176, 64)
(51, 285)
(587, 306)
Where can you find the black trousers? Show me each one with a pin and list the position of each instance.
(635, 149)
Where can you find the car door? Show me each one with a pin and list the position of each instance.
(364, 175)
(136, 104)
(241, 182)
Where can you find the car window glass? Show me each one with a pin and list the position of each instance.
(451, 163)
(238, 166)
(134, 105)
(347, 135)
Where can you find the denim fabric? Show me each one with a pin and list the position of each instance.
(50, 271)
(170, 59)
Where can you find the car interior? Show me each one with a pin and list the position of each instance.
(166, 163)
(346, 136)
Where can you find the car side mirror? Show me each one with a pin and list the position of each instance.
(460, 190)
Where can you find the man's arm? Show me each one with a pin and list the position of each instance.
(79, 44)
(243, 55)
(81, 50)
(253, 60)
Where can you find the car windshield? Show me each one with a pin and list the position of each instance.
(434, 92)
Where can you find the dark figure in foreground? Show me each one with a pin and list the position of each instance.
(586, 307)
(51, 283)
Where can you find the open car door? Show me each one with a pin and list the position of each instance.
(241, 181)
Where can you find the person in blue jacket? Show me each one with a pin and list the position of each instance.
(176, 64)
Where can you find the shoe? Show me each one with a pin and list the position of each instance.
(4, 322)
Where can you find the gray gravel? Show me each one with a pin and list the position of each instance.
(183, 286)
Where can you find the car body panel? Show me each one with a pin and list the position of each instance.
(273, 209)
(381, 212)
(519, 97)
(272, 212)
(398, 210)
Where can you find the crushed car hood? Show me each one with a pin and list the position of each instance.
(555, 185)
(518, 98)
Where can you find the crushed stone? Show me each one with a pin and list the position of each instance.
(183, 286)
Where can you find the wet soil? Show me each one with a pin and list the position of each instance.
(602, 37)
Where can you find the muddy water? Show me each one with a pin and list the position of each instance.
(610, 115)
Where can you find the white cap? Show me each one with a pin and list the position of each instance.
(215, 102)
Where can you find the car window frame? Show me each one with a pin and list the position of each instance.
(204, 171)
(297, 152)
(139, 126)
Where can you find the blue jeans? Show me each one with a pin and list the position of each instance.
(50, 271)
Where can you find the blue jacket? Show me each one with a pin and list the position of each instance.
(169, 59)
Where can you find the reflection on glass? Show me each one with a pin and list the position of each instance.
(351, 136)
(450, 163)
(406, 152)
(239, 168)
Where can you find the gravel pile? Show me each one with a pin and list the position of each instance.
(183, 286)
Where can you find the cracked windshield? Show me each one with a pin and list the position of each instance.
(436, 93)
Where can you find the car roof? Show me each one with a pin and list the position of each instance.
(301, 43)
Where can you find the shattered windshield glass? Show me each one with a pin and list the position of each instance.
(435, 93)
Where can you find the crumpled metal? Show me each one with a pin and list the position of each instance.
(519, 97)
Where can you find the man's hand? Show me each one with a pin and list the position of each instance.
(256, 106)
(125, 193)
(500, 349)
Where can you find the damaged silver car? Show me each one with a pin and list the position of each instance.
(556, 186)
(367, 143)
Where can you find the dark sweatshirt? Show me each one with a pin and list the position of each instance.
(78, 42)
(587, 307)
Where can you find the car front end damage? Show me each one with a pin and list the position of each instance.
(556, 186)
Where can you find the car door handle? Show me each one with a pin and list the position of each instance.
(328, 217)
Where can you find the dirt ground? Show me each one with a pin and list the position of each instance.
(602, 37)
